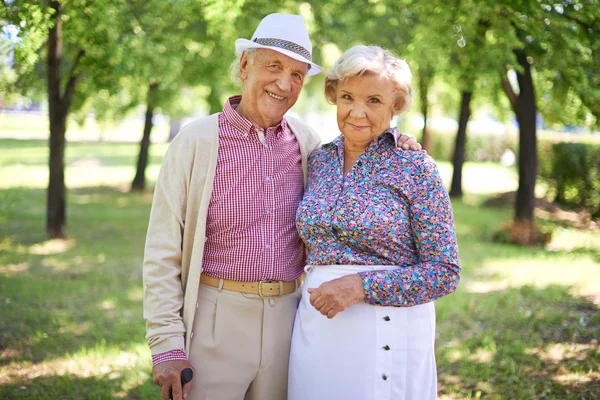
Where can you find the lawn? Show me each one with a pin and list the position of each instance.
(524, 323)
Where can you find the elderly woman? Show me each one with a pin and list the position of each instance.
(379, 230)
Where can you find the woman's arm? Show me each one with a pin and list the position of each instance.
(437, 273)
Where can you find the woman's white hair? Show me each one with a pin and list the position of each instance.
(361, 59)
(236, 78)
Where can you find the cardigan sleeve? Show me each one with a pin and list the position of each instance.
(163, 288)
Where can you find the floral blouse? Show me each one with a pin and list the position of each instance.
(391, 209)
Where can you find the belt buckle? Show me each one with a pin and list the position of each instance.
(260, 287)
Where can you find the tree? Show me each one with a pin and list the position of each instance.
(557, 45)
(173, 45)
(73, 38)
(470, 66)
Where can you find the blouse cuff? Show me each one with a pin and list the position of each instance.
(377, 287)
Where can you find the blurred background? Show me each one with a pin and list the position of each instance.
(506, 100)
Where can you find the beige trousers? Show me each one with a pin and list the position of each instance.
(240, 345)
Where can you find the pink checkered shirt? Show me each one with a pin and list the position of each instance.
(251, 224)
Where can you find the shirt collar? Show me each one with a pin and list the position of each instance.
(244, 125)
(393, 132)
(388, 133)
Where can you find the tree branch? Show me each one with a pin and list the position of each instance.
(508, 90)
(73, 77)
(576, 20)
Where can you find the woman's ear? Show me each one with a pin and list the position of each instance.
(398, 105)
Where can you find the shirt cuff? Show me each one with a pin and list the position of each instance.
(172, 355)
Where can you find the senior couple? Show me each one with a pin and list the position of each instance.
(248, 204)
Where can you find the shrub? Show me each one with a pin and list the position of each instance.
(574, 174)
(571, 169)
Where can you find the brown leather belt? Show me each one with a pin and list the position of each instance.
(261, 288)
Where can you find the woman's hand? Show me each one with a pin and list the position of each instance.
(335, 296)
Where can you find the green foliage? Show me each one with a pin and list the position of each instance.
(573, 170)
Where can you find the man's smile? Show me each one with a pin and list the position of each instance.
(273, 95)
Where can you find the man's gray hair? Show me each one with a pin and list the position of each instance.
(361, 59)
(235, 66)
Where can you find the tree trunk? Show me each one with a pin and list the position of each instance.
(56, 202)
(423, 89)
(58, 106)
(459, 148)
(526, 116)
(56, 206)
(139, 181)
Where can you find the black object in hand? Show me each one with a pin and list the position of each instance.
(186, 377)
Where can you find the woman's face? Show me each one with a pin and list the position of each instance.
(364, 108)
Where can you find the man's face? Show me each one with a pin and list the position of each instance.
(272, 84)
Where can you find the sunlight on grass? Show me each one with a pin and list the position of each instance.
(572, 239)
(583, 275)
(35, 126)
(14, 268)
(482, 178)
(556, 353)
(100, 360)
(135, 294)
(559, 351)
(54, 246)
(37, 176)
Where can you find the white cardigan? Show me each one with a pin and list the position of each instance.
(177, 228)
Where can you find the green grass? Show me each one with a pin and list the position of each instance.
(523, 325)
(35, 126)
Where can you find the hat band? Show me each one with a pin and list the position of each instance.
(284, 44)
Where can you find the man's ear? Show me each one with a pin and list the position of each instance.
(244, 65)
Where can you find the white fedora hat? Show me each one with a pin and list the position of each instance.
(284, 33)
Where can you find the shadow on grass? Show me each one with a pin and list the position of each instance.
(58, 297)
(520, 343)
(62, 299)
(75, 387)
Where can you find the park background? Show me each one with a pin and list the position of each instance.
(506, 100)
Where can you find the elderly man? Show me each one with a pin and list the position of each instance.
(223, 261)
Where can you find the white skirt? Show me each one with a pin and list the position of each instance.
(365, 352)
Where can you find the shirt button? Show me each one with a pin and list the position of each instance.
(196, 305)
(268, 178)
(268, 246)
(386, 347)
(267, 212)
(192, 335)
(386, 318)
(384, 377)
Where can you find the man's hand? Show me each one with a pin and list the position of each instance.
(407, 142)
(337, 295)
(167, 375)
